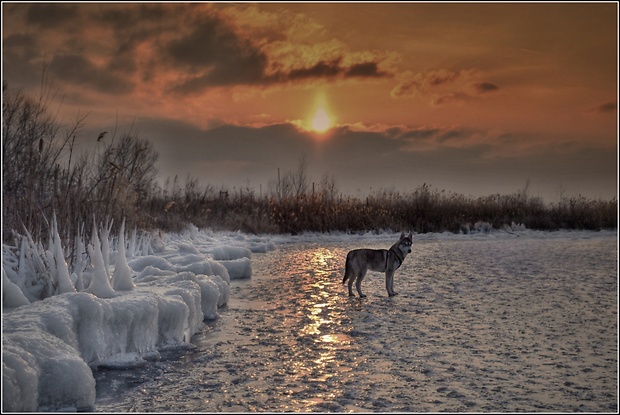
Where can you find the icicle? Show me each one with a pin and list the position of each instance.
(50, 288)
(21, 271)
(62, 271)
(100, 284)
(105, 244)
(132, 244)
(80, 263)
(35, 254)
(24, 271)
(121, 279)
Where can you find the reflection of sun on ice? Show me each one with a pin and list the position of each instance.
(320, 121)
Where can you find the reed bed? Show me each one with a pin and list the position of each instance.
(44, 178)
(423, 210)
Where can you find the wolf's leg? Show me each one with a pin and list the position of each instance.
(392, 286)
(389, 283)
(351, 280)
(358, 283)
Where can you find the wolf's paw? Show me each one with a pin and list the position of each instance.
(392, 294)
(363, 295)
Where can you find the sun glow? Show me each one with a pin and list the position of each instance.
(320, 121)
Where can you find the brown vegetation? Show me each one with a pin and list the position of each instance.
(42, 176)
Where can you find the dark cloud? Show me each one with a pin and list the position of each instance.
(457, 97)
(319, 70)
(405, 89)
(608, 107)
(485, 87)
(71, 58)
(211, 41)
(451, 135)
(442, 81)
(424, 82)
(333, 69)
(49, 15)
(231, 156)
(134, 17)
(132, 27)
(19, 46)
(19, 59)
(413, 134)
(441, 77)
(253, 73)
(215, 55)
(20, 43)
(144, 41)
(79, 70)
(365, 70)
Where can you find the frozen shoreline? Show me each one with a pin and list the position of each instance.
(50, 346)
(171, 276)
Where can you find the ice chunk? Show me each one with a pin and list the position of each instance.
(40, 371)
(238, 268)
(230, 252)
(12, 296)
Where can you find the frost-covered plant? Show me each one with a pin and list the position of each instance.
(39, 271)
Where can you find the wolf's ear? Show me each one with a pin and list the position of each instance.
(402, 235)
(411, 234)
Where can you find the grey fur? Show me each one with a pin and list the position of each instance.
(359, 261)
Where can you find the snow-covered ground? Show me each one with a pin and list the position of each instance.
(485, 318)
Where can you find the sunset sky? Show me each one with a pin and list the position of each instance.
(469, 98)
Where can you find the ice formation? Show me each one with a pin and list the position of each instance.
(155, 297)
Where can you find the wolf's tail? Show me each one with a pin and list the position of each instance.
(347, 270)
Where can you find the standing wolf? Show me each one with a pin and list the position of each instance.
(359, 261)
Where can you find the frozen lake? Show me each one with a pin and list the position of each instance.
(522, 322)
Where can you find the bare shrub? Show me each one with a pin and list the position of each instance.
(43, 177)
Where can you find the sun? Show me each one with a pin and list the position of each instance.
(320, 121)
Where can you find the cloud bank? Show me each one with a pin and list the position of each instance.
(363, 161)
(186, 49)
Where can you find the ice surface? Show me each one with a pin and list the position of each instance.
(505, 321)
(151, 297)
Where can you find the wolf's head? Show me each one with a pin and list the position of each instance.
(405, 242)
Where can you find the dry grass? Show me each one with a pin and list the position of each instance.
(423, 210)
(42, 177)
